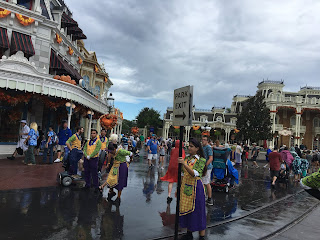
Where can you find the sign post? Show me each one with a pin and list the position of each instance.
(182, 116)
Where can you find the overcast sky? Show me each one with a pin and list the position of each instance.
(223, 48)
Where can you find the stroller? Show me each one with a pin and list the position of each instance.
(220, 169)
(284, 173)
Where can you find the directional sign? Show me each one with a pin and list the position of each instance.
(182, 106)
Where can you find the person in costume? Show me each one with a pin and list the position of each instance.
(91, 152)
(103, 152)
(172, 173)
(118, 175)
(74, 145)
(192, 196)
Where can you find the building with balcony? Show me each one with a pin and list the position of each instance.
(44, 66)
(295, 116)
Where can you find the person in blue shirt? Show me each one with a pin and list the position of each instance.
(32, 138)
(49, 146)
(208, 153)
(125, 143)
(152, 147)
(63, 135)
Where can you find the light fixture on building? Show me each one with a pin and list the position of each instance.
(110, 102)
(70, 109)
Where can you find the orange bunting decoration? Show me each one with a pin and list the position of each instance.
(70, 51)
(4, 12)
(80, 60)
(121, 116)
(195, 128)
(134, 130)
(236, 130)
(116, 111)
(96, 69)
(24, 20)
(105, 79)
(108, 121)
(58, 38)
(176, 127)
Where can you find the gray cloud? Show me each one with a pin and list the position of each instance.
(223, 48)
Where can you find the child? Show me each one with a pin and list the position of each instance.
(162, 152)
(296, 168)
(304, 165)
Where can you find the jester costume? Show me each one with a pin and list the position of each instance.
(76, 154)
(91, 149)
(192, 196)
(118, 175)
(103, 152)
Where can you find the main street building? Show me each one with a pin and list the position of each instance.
(46, 74)
(295, 116)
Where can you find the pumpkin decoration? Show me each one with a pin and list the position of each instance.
(206, 133)
(176, 127)
(24, 20)
(57, 77)
(108, 121)
(135, 130)
(73, 82)
(70, 51)
(58, 38)
(236, 130)
(4, 12)
(63, 78)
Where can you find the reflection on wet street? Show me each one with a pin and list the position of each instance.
(72, 213)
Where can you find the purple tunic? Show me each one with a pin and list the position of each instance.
(123, 176)
(196, 221)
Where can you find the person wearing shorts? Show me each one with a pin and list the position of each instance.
(63, 135)
(275, 161)
(208, 153)
(152, 147)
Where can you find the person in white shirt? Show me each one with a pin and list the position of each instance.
(24, 131)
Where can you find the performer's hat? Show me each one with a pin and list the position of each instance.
(24, 121)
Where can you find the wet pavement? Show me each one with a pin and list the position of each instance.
(252, 209)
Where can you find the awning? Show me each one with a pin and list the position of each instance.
(4, 41)
(22, 42)
(74, 30)
(57, 63)
(78, 36)
(68, 21)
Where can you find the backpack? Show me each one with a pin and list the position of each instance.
(55, 139)
(169, 144)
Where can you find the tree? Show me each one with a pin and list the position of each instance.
(254, 121)
(149, 117)
(127, 125)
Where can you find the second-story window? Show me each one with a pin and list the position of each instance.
(26, 3)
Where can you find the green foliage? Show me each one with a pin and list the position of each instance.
(228, 110)
(197, 132)
(126, 126)
(254, 121)
(176, 131)
(149, 117)
(217, 133)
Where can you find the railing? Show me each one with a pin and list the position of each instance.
(279, 127)
(317, 130)
(244, 96)
(310, 87)
(302, 128)
(271, 81)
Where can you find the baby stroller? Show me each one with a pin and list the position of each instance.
(220, 169)
(284, 173)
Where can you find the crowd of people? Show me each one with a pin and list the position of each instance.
(206, 161)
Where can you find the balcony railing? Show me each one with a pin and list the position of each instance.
(302, 128)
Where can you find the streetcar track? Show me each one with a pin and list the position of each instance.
(251, 213)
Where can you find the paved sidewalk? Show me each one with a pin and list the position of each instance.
(16, 175)
(308, 228)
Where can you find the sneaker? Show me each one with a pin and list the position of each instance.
(209, 202)
(31, 164)
(311, 182)
(169, 200)
(57, 160)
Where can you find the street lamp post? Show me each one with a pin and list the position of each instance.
(70, 108)
(110, 102)
(90, 114)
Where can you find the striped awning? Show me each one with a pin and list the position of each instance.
(74, 30)
(22, 42)
(4, 41)
(57, 63)
(68, 21)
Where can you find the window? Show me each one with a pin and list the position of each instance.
(219, 119)
(171, 116)
(293, 120)
(25, 3)
(86, 80)
(97, 90)
(203, 118)
(316, 122)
